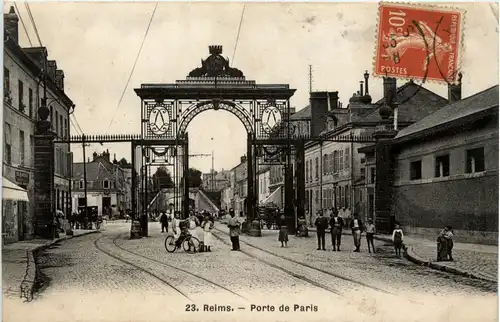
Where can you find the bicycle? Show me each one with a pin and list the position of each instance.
(190, 244)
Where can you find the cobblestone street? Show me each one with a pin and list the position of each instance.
(107, 277)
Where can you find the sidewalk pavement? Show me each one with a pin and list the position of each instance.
(472, 260)
(18, 264)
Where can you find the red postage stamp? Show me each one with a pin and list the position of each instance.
(417, 42)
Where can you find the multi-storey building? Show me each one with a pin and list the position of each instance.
(127, 172)
(335, 171)
(264, 193)
(235, 195)
(216, 181)
(106, 185)
(301, 123)
(24, 89)
(446, 171)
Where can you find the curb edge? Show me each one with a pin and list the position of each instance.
(413, 257)
(28, 286)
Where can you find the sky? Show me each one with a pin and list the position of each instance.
(96, 45)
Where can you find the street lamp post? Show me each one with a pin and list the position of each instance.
(213, 171)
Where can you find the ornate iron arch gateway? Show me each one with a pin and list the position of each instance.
(263, 109)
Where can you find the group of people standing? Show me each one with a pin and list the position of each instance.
(182, 227)
(357, 227)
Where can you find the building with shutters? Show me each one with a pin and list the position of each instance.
(23, 91)
(106, 185)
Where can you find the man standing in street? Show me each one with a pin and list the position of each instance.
(164, 222)
(357, 229)
(321, 226)
(234, 230)
(336, 223)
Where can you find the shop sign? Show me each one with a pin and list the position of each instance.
(22, 177)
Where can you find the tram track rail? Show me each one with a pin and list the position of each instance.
(288, 272)
(178, 269)
(344, 278)
(142, 269)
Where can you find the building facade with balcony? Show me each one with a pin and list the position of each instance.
(106, 186)
(23, 92)
(446, 171)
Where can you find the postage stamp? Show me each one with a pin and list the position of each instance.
(419, 42)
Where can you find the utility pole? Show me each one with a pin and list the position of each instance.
(84, 172)
(310, 79)
(213, 172)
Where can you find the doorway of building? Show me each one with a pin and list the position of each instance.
(371, 203)
(106, 206)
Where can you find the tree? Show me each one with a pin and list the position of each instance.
(123, 162)
(194, 177)
(163, 178)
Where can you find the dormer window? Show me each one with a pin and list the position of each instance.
(105, 184)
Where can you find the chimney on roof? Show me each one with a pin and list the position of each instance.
(11, 21)
(51, 69)
(366, 82)
(390, 90)
(455, 90)
(94, 156)
(333, 98)
(60, 79)
(319, 109)
(105, 155)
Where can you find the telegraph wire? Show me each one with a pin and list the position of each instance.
(135, 63)
(24, 26)
(238, 35)
(30, 14)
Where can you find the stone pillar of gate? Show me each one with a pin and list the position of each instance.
(135, 229)
(252, 220)
(300, 179)
(185, 173)
(44, 185)
(44, 175)
(383, 135)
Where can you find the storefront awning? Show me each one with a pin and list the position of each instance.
(11, 191)
(275, 198)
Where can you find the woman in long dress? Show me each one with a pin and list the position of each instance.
(283, 236)
(193, 222)
(207, 226)
(176, 225)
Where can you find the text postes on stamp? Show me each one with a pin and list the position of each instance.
(420, 43)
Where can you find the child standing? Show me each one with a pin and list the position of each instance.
(370, 231)
(397, 239)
